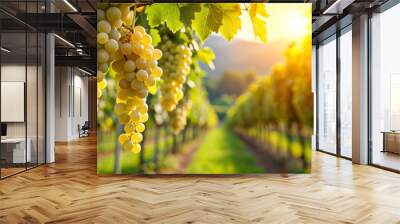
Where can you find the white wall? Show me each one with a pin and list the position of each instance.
(71, 94)
(14, 73)
(33, 127)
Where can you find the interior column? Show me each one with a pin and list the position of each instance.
(360, 90)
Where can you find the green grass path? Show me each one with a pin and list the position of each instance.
(222, 152)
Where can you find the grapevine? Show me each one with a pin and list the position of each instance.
(129, 67)
(176, 69)
(129, 50)
(178, 117)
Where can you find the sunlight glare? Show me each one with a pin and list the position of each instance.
(285, 22)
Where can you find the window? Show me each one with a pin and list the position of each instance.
(385, 89)
(22, 76)
(327, 95)
(346, 92)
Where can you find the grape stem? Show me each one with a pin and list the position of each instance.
(134, 15)
(128, 28)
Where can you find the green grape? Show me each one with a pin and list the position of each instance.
(136, 137)
(176, 69)
(135, 116)
(123, 138)
(103, 67)
(137, 48)
(103, 27)
(113, 14)
(136, 148)
(137, 36)
(117, 23)
(141, 63)
(130, 127)
(111, 46)
(129, 66)
(114, 34)
(157, 54)
(128, 50)
(102, 38)
(178, 117)
(100, 14)
(102, 56)
(140, 127)
(128, 145)
(124, 84)
(119, 108)
(142, 75)
(150, 81)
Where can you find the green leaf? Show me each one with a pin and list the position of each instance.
(206, 55)
(258, 18)
(231, 23)
(199, 23)
(214, 18)
(187, 11)
(153, 89)
(155, 35)
(181, 37)
(207, 20)
(169, 13)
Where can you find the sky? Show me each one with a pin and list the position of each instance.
(286, 21)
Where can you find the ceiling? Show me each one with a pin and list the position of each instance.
(75, 22)
(72, 20)
(330, 15)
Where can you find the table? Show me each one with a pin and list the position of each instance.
(391, 141)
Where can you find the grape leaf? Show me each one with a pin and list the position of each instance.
(169, 13)
(258, 18)
(214, 18)
(207, 20)
(206, 55)
(199, 23)
(231, 23)
(155, 35)
(153, 89)
(181, 38)
(260, 9)
(187, 11)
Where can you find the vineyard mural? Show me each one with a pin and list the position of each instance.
(204, 88)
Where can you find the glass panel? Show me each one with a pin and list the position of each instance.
(13, 86)
(31, 99)
(314, 75)
(386, 89)
(23, 82)
(346, 94)
(327, 96)
(41, 99)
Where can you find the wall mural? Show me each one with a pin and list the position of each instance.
(204, 88)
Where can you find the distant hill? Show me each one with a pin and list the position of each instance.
(242, 55)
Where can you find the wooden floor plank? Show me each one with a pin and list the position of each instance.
(70, 191)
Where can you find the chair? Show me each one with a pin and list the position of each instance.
(84, 130)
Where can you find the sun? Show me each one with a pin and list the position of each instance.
(286, 21)
(297, 24)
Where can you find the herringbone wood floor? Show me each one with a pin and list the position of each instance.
(69, 191)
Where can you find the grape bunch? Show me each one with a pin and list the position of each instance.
(178, 117)
(132, 56)
(176, 67)
(110, 17)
